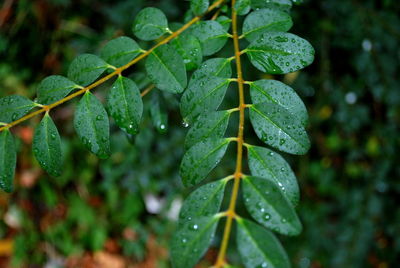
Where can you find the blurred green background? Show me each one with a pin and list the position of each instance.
(120, 212)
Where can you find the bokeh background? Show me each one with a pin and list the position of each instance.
(120, 212)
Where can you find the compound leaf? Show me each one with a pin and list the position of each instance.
(267, 164)
(150, 24)
(47, 146)
(203, 94)
(120, 51)
(265, 20)
(189, 48)
(278, 128)
(273, 91)
(92, 125)
(210, 125)
(198, 7)
(8, 161)
(204, 201)
(280, 53)
(192, 240)
(14, 107)
(258, 247)
(267, 205)
(166, 69)
(125, 104)
(211, 35)
(54, 88)
(86, 68)
(199, 160)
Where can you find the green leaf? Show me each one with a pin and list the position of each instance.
(14, 107)
(150, 24)
(273, 91)
(211, 35)
(210, 125)
(203, 94)
(269, 206)
(191, 241)
(280, 53)
(125, 105)
(262, 21)
(8, 161)
(120, 51)
(258, 247)
(47, 146)
(204, 201)
(189, 48)
(86, 68)
(54, 88)
(278, 128)
(199, 160)
(198, 7)
(92, 125)
(220, 67)
(242, 7)
(225, 22)
(158, 114)
(267, 164)
(166, 69)
(280, 4)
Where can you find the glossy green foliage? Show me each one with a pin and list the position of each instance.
(54, 88)
(14, 107)
(280, 53)
(268, 205)
(243, 7)
(150, 24)
(191, 241)
(8, 161)
(120, 51)
(276, 92)
(166, 69)
(125, 104)
(225, 22)
(158, 114)
(211, 35)
(204, 201)
(86, 68)
(278, 128)
(219, 67)
(189, 47)
(47, 146)
(92, 125)
(200, 159)
(198, 7)
(259, 247)
(262, 21)
(267, 164)
(280, 4)
(211, 125)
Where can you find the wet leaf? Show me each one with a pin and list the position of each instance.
(14, 107)
(242, 7)
(54, 88)
(47, 146)
(280, 4)
(92, 125)
(267, 204)
(8, 161)
(211, 35)
(220, 67)
(120, 51)
(150, 24)
(86, 68)
(198, 7)
(125, 105)
(189, 48)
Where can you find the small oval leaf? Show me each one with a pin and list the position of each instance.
(265, 20)
(211, 35)
(54, 88)
(280, 53)
(191, 241)
(166, 69)
(47, 146)
(150, 24)
(258, 247)
(220, 67)
(278, 128)
(8, 161)
(267, 205)
(92, 125)
(120, 51)
(14, 107)
(198, 7)
(199, 160)
(189, 48)
(280, 4)
(242, 7)
(86, 68)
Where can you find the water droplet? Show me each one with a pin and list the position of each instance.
(267, 216)
(184, 240)
(99, 117)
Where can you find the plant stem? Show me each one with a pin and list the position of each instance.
(230, 213)
(117, 71)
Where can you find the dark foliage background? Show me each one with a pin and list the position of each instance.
(120, 212)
